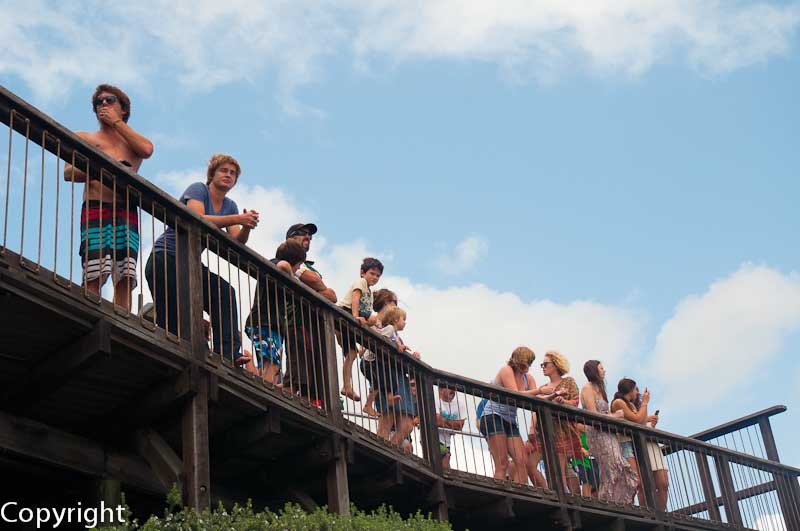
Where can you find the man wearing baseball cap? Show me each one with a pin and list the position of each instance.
(302, 233)
(305, 363)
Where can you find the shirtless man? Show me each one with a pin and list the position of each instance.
(109, 226)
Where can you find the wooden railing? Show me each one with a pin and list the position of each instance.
(709, 485)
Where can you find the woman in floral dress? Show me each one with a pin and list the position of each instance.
(618, 481)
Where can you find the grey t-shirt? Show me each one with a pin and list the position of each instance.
(198, 192)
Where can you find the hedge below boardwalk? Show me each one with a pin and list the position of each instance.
(291, 518)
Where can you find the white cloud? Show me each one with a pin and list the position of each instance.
(464, 257)
(468, 330)
(205, 44)
(726, 333)
(739, 322)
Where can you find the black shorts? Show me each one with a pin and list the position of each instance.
(495, 425)
(590, 474)
(348, 336)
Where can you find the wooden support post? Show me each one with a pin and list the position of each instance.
(645, 470)
(437, 501)
(551, 461)
(337, 484)
(708, 487)
(107, 494)
(336, 481)
(769, 439)
(430, 428)
(196, 467)
(331, 375)
(618, 524)
(730, 501)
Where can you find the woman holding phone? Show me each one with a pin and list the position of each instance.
(634, 409)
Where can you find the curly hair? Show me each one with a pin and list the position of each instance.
(521, 358)
(391, 314)
(124, 100)
(561, 363)
(218, 160)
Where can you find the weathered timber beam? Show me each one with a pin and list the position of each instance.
(245, 434)
(165, 463)
(300, 496)
(163, 400)
(500, 509)
(743, 494)
(56, 369)
(41, 442)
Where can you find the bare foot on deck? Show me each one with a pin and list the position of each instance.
(369, 410)
(352, 395)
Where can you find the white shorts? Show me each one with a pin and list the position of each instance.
(123, 267)
(657, 461)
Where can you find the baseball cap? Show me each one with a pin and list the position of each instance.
(298, 227)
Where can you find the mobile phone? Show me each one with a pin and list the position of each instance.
(657, 412)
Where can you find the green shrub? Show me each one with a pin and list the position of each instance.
(290, 518)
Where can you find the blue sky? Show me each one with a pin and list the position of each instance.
(616, 181)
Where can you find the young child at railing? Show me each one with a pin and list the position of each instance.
(448, 416)
(357, 300)
(394, 398)
(382, 299)
(266, 324)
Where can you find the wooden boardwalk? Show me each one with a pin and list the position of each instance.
(94, 400)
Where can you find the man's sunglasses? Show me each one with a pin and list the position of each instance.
(106, 99)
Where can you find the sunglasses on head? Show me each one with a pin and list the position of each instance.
(106, 99)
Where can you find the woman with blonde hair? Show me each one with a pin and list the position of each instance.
(562, 389)
(497, 420)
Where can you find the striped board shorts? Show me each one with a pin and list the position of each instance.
(109, 241)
